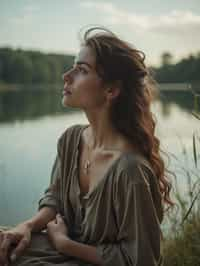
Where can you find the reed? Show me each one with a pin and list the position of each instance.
(181, 245)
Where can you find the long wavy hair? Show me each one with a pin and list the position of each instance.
(117, 60)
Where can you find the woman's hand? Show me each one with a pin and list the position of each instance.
(57, 232)
(17, 239)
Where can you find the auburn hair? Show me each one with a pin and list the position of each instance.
(117, 60)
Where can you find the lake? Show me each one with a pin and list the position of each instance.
(31, 120)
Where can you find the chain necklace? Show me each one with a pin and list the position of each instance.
(87, 166)
(87, 163)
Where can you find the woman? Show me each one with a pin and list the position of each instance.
(108, 188)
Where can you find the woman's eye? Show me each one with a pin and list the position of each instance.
(81, 69)
(77, 69)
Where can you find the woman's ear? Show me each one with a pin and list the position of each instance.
(113, 91)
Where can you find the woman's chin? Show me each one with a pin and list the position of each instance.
(67, 103)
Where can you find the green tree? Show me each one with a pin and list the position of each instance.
(166, 59)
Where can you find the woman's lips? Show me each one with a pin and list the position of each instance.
(66, 92)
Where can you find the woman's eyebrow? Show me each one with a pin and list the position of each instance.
(83, 63)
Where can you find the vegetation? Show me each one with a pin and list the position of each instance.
(186, 70)
(18, 66)
(181, 247)
(33, 67)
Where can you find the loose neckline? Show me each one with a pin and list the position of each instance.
(104, 176)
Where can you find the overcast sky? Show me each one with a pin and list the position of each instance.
(153, 26)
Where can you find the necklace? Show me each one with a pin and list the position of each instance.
(87, 163)
(87, 166)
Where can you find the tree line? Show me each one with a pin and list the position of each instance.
(19, 66)
(33, 67)
(186, 70)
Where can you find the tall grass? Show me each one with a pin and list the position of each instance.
(181, 245)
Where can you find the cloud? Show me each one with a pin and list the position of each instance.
(30, 9)
(26, 15)
(175, 22)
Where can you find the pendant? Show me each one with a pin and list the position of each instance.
(87, 166)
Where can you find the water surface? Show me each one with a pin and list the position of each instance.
(31, 122)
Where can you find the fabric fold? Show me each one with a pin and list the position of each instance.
(137, 226)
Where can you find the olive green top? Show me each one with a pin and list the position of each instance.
(121, 216)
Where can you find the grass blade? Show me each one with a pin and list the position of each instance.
(194, 150)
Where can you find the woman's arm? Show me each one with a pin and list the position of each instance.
(20, 235)
(79, 250)
(58, 234)
(40, 220)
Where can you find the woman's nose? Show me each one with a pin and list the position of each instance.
(63, 76)
(67, 76)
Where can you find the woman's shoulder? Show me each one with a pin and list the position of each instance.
(135, 171)
(134, 168)
(70, 136)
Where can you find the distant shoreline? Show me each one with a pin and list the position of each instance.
(176, 86)
(19, 86)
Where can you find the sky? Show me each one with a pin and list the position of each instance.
(153, 26)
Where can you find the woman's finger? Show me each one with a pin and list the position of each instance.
(1, 237)
(22, 245)
(59, 218)
(6, 242)
(2, 258)
(50, 223)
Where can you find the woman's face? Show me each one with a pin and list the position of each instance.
(83, 88)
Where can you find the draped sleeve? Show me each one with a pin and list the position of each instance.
(51, 197)
(138, 239)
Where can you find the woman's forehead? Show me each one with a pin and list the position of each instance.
(86, 55)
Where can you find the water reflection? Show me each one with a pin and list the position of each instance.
(30, 104)
(183, 99)
(27, 149)
(26, 104)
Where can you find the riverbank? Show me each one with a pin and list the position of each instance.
(182, 247)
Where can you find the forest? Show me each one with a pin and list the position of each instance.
(34, 67)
